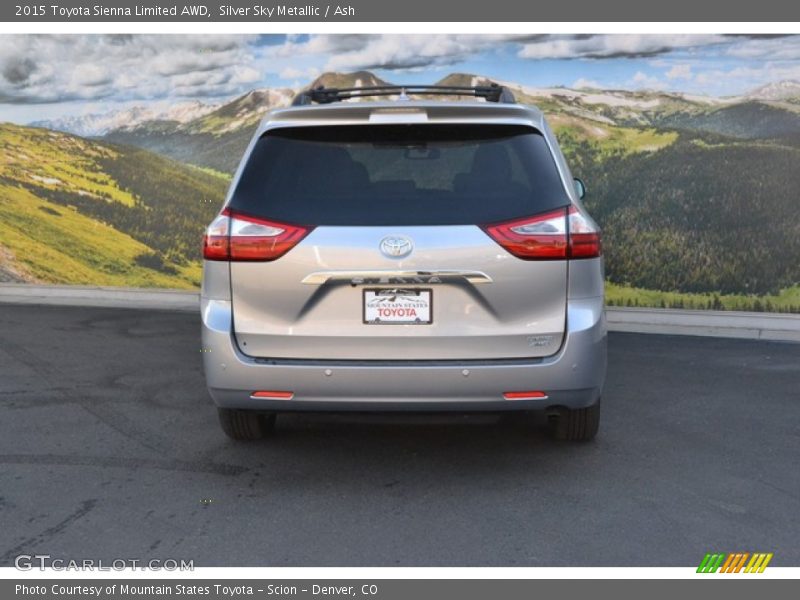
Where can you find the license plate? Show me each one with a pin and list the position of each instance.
(394, 306)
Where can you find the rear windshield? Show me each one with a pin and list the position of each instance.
(399, 175)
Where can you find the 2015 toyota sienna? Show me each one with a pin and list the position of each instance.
(421, 255)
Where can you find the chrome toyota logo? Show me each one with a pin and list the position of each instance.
(396, 246)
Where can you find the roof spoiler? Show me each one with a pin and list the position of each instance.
(323, 95)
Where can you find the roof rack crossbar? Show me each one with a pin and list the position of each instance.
(323, 95)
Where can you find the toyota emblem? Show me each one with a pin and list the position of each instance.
(396, 246)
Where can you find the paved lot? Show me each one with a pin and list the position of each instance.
(109, 448)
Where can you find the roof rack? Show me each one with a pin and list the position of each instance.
(323, 95)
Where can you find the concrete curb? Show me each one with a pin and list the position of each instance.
(746, 325)
(712, 323)
(104, 297)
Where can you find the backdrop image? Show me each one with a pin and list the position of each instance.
(117, 150)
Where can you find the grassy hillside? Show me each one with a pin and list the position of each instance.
(746, 118)
(216, 140)
(219, 152)
(749, 120)
(81, 212)
(786, 300)
(699, 217)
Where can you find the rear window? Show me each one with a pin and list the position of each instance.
(399, 175)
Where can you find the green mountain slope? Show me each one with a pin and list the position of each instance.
(750, 120)
(747, 117)
(83, 212)
(216, 140)
(700, 217)
(220, 152)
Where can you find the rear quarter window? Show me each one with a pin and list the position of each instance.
(399, 175)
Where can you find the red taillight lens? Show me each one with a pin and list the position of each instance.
(253, 238)
(216, 242)
(248, 238)
(543, 237)
(555, 235)
(584, 237)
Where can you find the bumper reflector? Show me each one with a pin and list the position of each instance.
(273, 395)
(525, 395)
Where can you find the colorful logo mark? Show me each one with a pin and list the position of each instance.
(735, 562)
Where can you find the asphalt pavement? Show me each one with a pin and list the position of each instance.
(110, 448)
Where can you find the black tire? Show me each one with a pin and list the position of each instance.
(576, 425)
(245, 424)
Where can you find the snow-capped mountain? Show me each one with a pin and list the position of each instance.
(217, 138)
(779, 90)
(98, 124)
(244, 111)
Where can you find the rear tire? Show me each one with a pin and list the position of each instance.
(577, 424)
(245, 424)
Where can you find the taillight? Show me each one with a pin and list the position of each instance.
(554, 235)
(584, 236)
(543, 237)
(216, 242)
(238, 237)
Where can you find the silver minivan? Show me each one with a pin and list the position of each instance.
(404, 255)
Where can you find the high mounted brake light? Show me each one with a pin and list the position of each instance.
(238, 237)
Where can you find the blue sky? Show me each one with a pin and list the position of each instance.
(45, 76)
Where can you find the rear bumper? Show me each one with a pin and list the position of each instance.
(571, 378)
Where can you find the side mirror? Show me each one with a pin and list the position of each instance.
(580, 188)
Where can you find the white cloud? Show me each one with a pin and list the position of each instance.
(91, 75)
(53, 68)
(245, 74)
(392, 52)
(395, 52)
(291, 72)
(744, 78)
(774, 49)
(613, 46)
(682, 71)
(586, 83)
(644, 81)
(702, 79)
(120, 68)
